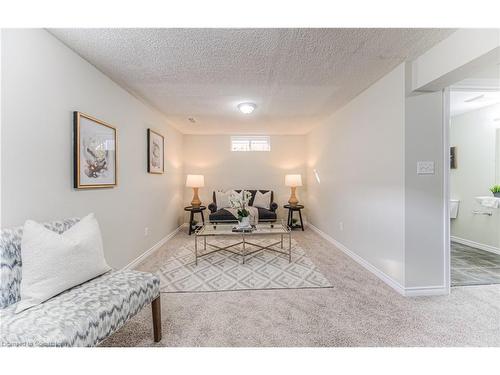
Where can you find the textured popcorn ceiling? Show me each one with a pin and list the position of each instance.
(297, 77)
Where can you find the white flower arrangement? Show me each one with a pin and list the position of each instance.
(240, 202)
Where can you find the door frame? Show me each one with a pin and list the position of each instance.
(446, 189)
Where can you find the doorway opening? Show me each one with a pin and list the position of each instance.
(474, 179)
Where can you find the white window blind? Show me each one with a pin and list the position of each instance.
(251, 143)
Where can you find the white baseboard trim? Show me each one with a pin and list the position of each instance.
(416, 291)
(477, 245)
(407, 292)
(155, 247)
(367, 265)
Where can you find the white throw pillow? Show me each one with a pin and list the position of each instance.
(262, 200)
(53, 263)
(222, 198)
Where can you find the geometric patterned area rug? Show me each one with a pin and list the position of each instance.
(224, 271)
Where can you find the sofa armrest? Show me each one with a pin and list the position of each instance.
(274, 206)
(212, 207)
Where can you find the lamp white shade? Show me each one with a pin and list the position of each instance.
(293, 180)
(195, 180)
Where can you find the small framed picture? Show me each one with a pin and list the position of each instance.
(453, 157)
(156, 152)
(94, 153)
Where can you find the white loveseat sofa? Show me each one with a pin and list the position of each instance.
(81, 316)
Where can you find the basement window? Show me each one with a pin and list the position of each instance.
(251, 143)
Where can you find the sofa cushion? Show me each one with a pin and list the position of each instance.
(10, 259)
(82, 316)
(252, 192)
(222, 215)
(225, 215)
(266, 215)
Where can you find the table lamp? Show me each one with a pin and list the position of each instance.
(195, 181)
(293, 180)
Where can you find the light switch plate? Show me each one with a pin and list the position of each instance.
(425, 167)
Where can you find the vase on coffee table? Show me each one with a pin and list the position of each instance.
(244, 222)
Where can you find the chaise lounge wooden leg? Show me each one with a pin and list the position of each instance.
(156, 308)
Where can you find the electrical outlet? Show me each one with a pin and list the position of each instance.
(425, 167)
(146, 231)
(341, 225)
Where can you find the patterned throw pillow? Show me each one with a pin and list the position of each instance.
(262, 200)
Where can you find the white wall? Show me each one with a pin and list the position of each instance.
(366, 156)
(474, 135)
(43, 82)
(358, 154)
(425, 238)
(211, 156)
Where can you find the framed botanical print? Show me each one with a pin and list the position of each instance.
(94, 153)
(156, 152)
(453, 157)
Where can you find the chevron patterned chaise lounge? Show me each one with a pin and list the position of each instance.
(81, 316)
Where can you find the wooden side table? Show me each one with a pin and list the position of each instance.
(291, 210)
(193, 210)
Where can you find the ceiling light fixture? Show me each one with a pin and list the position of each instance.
(247, 108)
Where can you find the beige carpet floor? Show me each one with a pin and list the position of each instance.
(360, 310)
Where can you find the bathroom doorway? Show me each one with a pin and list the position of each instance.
(474, 178)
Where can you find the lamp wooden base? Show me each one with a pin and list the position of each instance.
(293, 201)
(196, 199)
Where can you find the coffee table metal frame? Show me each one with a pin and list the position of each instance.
(225, 229)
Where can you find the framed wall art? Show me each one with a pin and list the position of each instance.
(94, 152)
(156, 152)
(453, 157)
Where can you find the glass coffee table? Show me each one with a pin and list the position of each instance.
(244, 238)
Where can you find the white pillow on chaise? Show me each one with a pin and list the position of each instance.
(262, 200)
(53, 263)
